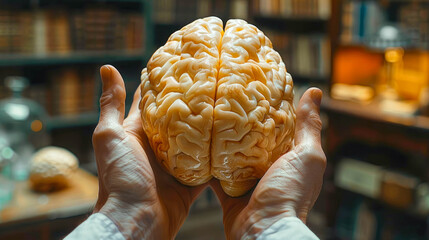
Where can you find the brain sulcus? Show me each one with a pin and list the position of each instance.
(218, 103)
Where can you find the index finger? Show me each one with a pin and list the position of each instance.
(135, 110)
(133, 121)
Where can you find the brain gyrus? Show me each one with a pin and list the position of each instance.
(218, 103)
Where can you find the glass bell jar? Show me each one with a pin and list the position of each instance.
(22, 122)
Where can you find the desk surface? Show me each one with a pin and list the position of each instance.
(28, 205)
(373, 111)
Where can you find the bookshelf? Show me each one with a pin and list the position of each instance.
(300, 32)
(11, 60)
(393, 151)
(37, 37)
(59, 47)
(73, 121)
(385, 142)
(362, 19)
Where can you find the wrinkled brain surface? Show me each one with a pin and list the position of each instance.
(218, 103)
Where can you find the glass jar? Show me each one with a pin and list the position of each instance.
(6, 162)
(21, 120)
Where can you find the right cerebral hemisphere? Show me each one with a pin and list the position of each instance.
(218, 103)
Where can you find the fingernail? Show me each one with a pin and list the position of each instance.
(106, 74)
(316, 96)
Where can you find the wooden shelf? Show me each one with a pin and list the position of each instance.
(410, 212)
(72, 58)
(78, 120)
(310, 78)
(365, 46)
(373, 112)
(407, 1)
(69, 1)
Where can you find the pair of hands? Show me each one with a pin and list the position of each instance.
(147, 203)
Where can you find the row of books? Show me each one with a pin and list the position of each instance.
(72, 91)
(45, 31)
(303, 55)
(414, 19)
(360, 20)
(293, 8)
(185, 11)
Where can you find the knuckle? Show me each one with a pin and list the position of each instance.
(312, 117)
(314, 155)
(106, 99)
(115, 95)
(103, 133)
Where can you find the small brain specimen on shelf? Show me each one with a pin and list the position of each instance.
(218, 103)
(52, 169)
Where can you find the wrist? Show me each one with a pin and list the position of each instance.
(134, 221)
(255, 222)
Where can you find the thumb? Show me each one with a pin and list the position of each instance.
(309, 125)
(112, 110)
(112, 100)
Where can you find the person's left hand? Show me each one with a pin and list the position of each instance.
(289, 188)
(141, 199)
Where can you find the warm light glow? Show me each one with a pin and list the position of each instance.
(36, 125)
(393, 55)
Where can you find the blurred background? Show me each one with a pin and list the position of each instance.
(370, 57)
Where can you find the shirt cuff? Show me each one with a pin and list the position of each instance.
(287, 228)
(97, 226)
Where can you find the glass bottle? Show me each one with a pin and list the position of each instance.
(21, 120)
(6, 181)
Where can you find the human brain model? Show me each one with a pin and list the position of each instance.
(52, 169)
(218, 103)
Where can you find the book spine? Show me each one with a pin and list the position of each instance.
(203, 8)
(40, 33)
(239, 9)
(362, 18)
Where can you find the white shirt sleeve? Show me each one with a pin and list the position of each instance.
(288, 228)
(97, 226)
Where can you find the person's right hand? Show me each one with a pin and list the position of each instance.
(291, 185)
(134, 192)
